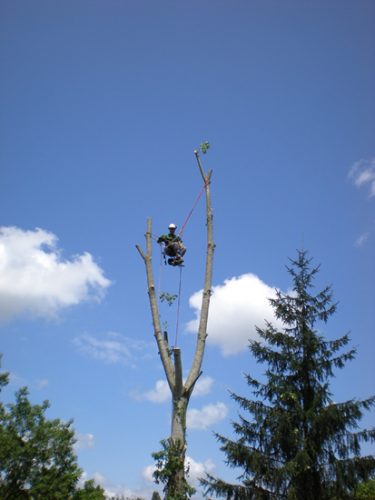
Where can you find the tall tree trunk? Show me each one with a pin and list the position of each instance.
(180, 391)
(180, 401)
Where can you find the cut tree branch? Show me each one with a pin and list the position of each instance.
(159, 336)
(195, 369)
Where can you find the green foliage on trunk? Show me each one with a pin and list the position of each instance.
(171, 470)
(293, 441)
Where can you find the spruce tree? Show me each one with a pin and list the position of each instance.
(292, 440)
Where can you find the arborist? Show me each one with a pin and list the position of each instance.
(173, 246)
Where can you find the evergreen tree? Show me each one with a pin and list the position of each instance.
(294, 441)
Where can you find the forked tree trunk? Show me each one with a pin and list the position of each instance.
(181, 391)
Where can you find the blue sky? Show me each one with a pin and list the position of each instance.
(102, 105)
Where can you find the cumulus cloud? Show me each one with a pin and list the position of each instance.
(113, 348)
(203, 386)
(36, 280)
(113, 491)
(197, 470)
(236, 307)
(147, 473)
(84, 441)
(362, 173)
(161, 392)
(207, 416)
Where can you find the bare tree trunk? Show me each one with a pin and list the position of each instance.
(180, 391)
(180, 402)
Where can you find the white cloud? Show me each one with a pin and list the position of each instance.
(207, 416)
(147, 486)
(99, 478)
(41, 383)
(196, 470)
(84, 441)
(362, 173)
(113, 348)
(361, 240)
(236, 307)
(16, 380)
(35, 280)
(148, 472)
(203, 386)
(113, 491)
(161, 392)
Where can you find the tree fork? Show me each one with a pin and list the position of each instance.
(180, 391)
(162, 345)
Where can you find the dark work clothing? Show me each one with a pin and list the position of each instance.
(169, 238)
(173, 245)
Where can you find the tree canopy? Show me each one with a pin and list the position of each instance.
(294, 441)
(37, 458)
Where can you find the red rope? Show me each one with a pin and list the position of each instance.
(192, 209)
(179, 234)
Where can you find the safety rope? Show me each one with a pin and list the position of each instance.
(178, 308)
(192, 209)
(163, 255)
